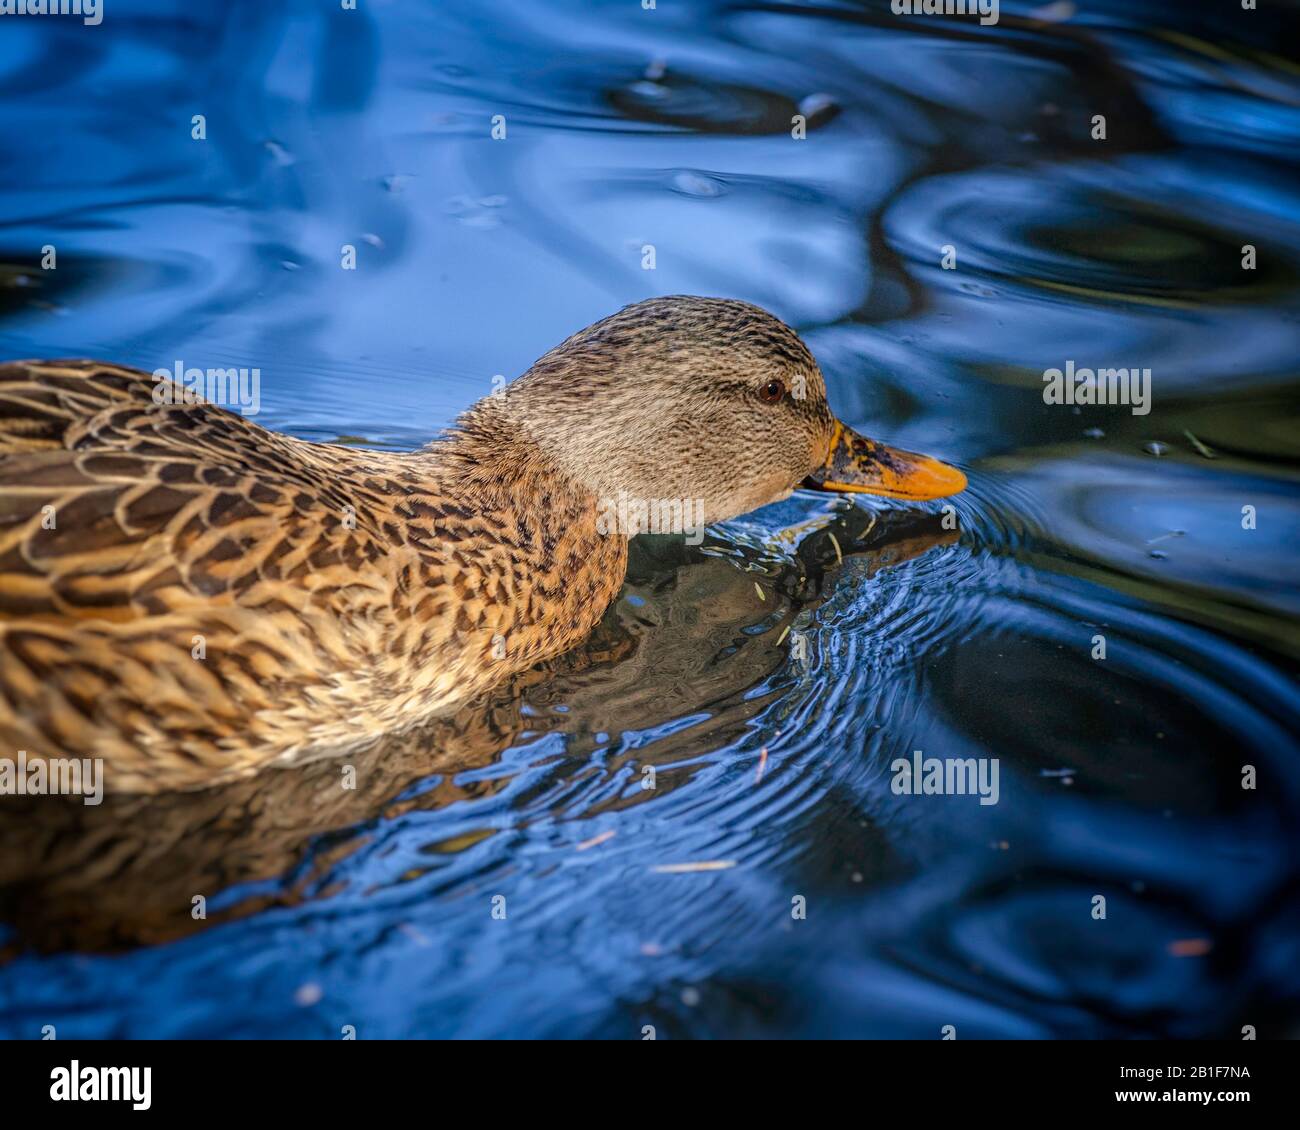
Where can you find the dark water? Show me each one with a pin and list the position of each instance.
(1119, 777)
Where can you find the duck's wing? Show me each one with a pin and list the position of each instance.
(107, 498)
(40, 400)
(137, 538)
(91, 405)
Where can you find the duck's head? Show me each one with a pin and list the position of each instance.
(686, 398)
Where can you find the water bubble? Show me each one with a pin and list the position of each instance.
(690, 183)
(1056, 12)
(818, 108)
(279, 154)
(475, 213)
(651, 91)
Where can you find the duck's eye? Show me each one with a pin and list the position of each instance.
(771, 392)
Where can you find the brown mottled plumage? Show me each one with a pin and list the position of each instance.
(192, 597)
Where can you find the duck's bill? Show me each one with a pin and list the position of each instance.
(862, 466)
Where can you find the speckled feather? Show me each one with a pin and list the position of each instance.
(178, 522)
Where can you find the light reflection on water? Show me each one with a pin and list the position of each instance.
(1119, 778)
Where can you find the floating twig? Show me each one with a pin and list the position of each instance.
(596, 841)
(871, 526)
(690, 868)
(1163, 537)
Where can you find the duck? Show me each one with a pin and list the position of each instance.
(193, 598)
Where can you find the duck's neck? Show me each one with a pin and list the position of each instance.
(540, 566)
(494, 458)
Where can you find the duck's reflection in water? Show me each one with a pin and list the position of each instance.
(128, 872)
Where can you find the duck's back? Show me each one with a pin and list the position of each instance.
(188, 595)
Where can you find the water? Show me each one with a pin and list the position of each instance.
(1119, 778)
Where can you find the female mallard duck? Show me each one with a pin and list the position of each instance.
(191, 597)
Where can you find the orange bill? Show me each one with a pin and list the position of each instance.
(859, 465)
